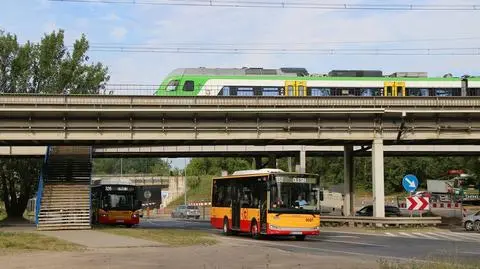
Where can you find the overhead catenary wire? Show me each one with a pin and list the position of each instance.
(305, 4)
(308, 51)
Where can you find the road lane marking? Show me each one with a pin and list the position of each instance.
(407, 235)
(424, 235)
(345, 242)
(276, 244)
(390, 234)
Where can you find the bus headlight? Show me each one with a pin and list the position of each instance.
(273, 227)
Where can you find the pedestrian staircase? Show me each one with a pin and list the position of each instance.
(63, 196)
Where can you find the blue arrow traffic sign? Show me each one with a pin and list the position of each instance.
(410, 183)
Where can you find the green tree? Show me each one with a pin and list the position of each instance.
(47, 67)
(155, 166)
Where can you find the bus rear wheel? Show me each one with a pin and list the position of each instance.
(254, 230)
(226, 229)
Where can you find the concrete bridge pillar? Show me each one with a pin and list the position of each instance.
(301, 162)
(378, 178)
(272, 161)
(348, 164)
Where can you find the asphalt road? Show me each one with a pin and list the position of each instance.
(425, 245)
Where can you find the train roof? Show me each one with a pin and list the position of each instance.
(298, 72)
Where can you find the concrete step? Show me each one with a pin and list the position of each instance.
(63, 209)
(59, 219)
(65, 204)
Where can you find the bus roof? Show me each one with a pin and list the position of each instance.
(112, 181)
(259, 172)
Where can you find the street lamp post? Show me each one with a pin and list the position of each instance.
(185, 182)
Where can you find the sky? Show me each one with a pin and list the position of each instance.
(161, 25)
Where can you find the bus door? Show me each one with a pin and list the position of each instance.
(263, 208)
(295, 88)
(400, 88)
(235, 207)
(389, 89)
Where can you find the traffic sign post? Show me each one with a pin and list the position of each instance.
(410, 183)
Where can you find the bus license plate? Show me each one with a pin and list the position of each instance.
(120, 220)
(296, 232)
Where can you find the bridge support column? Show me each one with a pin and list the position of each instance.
(272, 161)
(289, 160)
(258, 162)
(301, 166)
(378, 178)
(348, 161)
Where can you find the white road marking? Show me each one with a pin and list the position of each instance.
(424, 235)
(276, 244)
(407, 235)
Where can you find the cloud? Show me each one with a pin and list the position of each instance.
(118, 33)
(110, 17)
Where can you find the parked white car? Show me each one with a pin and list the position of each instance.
(472, 222)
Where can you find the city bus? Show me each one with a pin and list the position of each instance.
(267, 202)
(114, 201)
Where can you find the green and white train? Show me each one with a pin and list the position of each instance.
(298, 82)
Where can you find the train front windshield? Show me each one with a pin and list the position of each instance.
(294, 193)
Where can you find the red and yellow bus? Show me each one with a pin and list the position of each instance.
(114, 201)
(267, 202)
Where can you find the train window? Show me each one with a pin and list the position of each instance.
(189, 86)
(226, 91)
(319, 92)
(172, 85)
(270, 92)
(244, 91)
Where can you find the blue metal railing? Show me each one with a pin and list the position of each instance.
(38, 199)
(90, 159)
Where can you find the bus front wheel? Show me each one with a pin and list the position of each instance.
(300, 237)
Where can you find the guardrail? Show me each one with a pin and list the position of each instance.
(375, 222)
(116, 101)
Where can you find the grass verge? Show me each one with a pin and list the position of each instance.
(14, 241)
(171, 237)
(428, 265)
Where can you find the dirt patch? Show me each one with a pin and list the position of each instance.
(223, 255)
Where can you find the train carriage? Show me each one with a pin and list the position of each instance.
(298, 82)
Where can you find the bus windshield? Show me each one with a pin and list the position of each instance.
(119, 201)
(293, 192)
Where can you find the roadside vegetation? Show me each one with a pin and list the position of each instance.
(199, 192)
(17, 241)
(170, 237)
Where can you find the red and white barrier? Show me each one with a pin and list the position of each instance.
(200, 203)
(436, 205)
